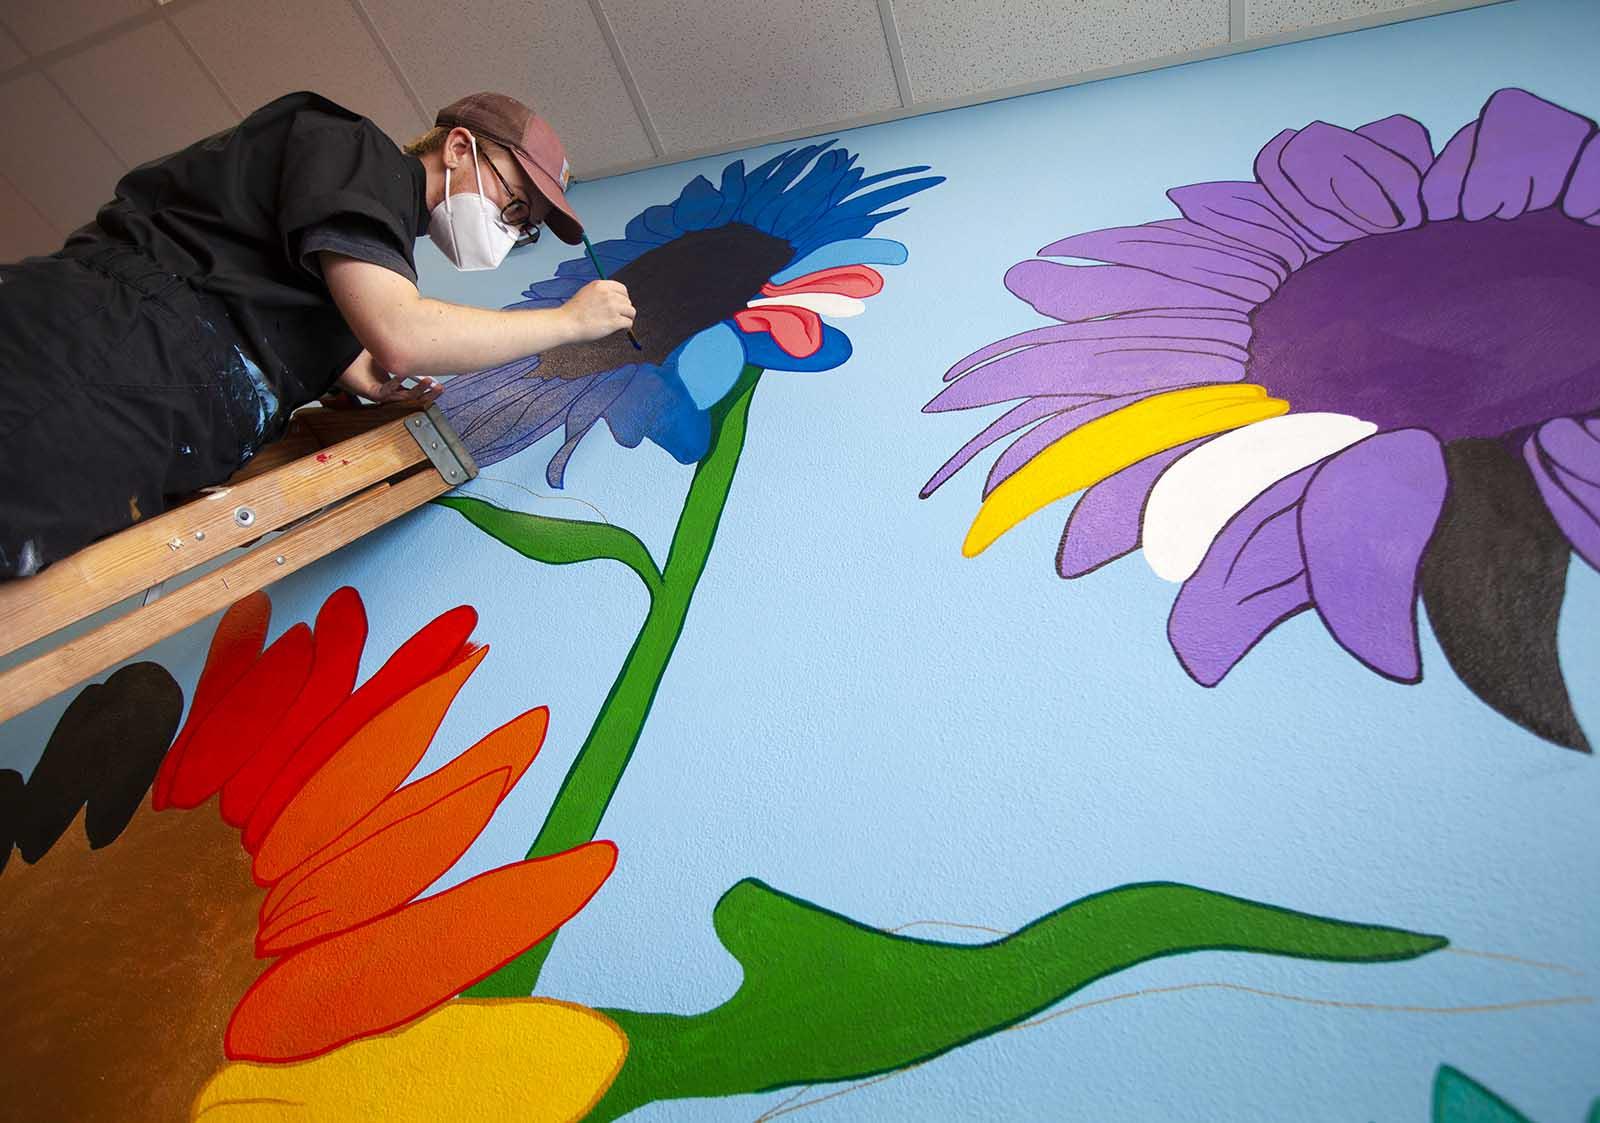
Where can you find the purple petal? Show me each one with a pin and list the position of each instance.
(1564, 458)
(1355, 184)
(1082, 292)
(1327, 229)
(1364, 523)
(500, 412)
(1526, 146)
(1251, 580)
(1231, 245)
(1017, 417)
(1405, 136)
(581, 416)
(1036, 440)
(1247, 212)
(1189, 328)
(1105, 523)
(1441, 184)
(1582, 200)
(1172, 254)
(1091, 366)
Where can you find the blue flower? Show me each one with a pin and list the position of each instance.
(729, 274)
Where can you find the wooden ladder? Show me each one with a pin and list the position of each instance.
(335, 475)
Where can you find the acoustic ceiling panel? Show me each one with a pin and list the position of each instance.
(550, 53)
(1271, 17)
(259, 51)
(44, 25)
(144, 93)
(723, 72)
(24, 232)
(65, 171)
(956, 49)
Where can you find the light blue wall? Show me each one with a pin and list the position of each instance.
(861, 717)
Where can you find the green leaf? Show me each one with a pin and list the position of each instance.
(827, 999)
(1457, 1098)
(558, 541)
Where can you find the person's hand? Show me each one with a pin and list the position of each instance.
(392, 389)
(599, 309)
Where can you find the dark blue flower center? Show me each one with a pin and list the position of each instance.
(679, 289)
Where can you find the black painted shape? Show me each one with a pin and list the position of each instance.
(1493, 580)
(679, 289)
(11, 797)
(105, 752)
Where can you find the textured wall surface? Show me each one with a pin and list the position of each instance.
(949, 747)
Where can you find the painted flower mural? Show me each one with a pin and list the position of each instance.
(729, 275)
(1369, 375)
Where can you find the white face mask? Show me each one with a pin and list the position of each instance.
(476, 238)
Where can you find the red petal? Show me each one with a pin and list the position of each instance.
(340, 635)
(846, 280)
(381, 975)
(386, 871)
(797, 330)
(417, 660)
(238, 724)
(508, 750)
(235, 645)
(367, 767)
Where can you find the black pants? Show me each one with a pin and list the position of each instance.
(120, 385)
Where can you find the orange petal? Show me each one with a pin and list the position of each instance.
(385, 872)
(235, 645)
(340, 635)
(369, 766)
(797, 330)
(381, 975)
(244, 718)
(847, 280)
(508, 750)
(417, 660)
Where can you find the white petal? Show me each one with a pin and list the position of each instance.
(1194, 498)
(822, 303)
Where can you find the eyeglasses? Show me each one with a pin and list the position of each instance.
(517, 213)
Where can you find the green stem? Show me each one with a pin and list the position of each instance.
(593, 778)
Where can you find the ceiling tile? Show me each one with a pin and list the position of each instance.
(144, 93)
(715, 72)
(259, 51)
(44, 25)
(24, 232)
(10, 52)
(956, 48)
(1270, 17)
(66, 171)
(549, 53)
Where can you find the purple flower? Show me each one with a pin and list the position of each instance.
(1369, 375)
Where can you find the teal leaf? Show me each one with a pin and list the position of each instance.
(558, 541)
(827, 999)
(1457, 1098)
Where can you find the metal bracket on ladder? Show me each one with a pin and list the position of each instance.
(441, 446)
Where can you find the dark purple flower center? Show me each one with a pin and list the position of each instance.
(1466, 329)
(678, 289)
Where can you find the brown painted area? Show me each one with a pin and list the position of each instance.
(119, 968)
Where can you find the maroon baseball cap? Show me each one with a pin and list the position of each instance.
(538, 150)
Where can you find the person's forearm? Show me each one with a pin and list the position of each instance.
(441, 338)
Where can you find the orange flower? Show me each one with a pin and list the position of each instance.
(310, 768)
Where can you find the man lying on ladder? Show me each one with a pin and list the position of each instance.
(247, 275)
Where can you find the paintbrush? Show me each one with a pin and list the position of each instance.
(595, 261)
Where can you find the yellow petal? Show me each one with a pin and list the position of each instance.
(530, 1059)
(1111, 443)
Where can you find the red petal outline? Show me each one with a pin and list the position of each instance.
(846, 280)
(798, 331)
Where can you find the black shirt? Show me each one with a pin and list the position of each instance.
(242, 214)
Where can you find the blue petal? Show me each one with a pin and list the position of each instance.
(557, 288)
(658, 220)
(760, 350)
(854, 251)
(783, 175)
(582, 415)
(658, 408)
(732, 193)
(698, 204)
(709, 364)
(837, 231)
(578, 268)
(639, 231)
